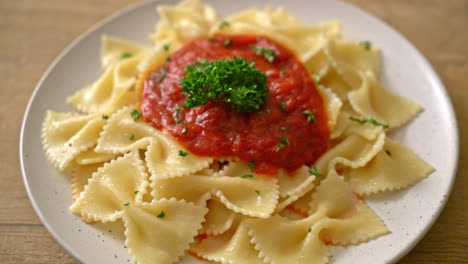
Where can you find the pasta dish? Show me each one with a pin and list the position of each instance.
(249, 139)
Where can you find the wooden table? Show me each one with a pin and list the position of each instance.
(33, 33)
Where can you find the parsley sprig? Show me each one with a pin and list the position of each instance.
(369, 120)
(237, 82)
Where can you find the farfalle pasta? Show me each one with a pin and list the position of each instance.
(231, 207)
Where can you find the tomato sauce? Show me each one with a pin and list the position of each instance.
(217, 130)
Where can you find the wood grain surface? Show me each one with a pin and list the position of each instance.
(33, 33)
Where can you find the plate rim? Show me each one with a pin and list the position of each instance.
(423, 61)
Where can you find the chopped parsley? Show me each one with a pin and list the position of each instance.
(183, 154)
(251, 164)
(161, 215)
(126, 204)
(285, 143)
(126, 55)
(317, 78)
(315, 172)
(132, 137)
(283, 72)
(284, 140)
(236, 81)
(167, 46)
(69, 144)
(136, 192)
(310, 115)
(223, 25)
(367, 45)
(162, 75)
(184, 130)
(310, 229)
(211, 38)
(258, 192)
(283, 106)
(227, 42)
(269, 54)
(284, 129)
(135, 114)
(369, 120)
(247, 176)
(105, 117)
(268, 111)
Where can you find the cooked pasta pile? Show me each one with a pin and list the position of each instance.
(123, 168)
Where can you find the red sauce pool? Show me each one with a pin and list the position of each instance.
(217, 130)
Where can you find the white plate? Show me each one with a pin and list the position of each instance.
(408, 214)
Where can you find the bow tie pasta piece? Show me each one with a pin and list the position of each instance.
(166, 158)
(393, 168)
(117, 184)
(66, 135)
(162, 231)
(371, 100)
(183, 22)
(125, 131)
(353, 152)
(332, 104)
(355, 55)
(114, 89)
(348, 220)
(114, 50)
(232, 246)
(281, 240)
(255, 197)
(219, 218)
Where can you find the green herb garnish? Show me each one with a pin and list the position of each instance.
(284, 140)
(237, 82)
(227, 42)
(105, 117)
(317, 78)
(184, 130)
(247, 176)
(167, 46)
(183, 154)
(283, 106)
(251, 164)
(135, 114)
(310, 229)
(69, 144)
(126, 55)
(258, 192)
(132, 137)
(369, 120)
(212, 38)
(315, 172)
(269, 54)
(161, 215)
(162, 75)
(367, 45)
(126, 204)
(310, 115)
(136, 192)
(284, 129)
(283, 72)
(223, 25)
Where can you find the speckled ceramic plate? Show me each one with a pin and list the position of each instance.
(408, 214)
